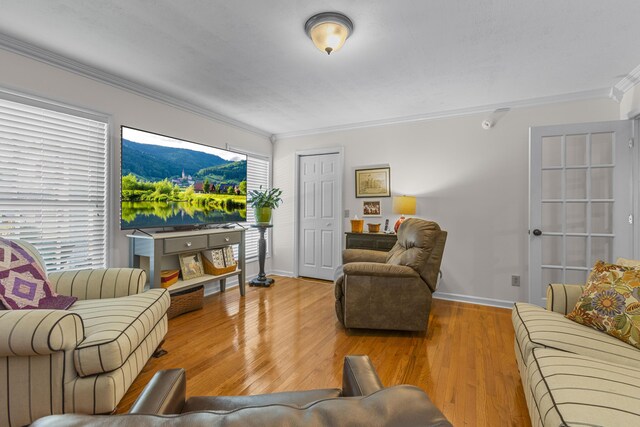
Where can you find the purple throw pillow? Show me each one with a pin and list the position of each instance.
(23, 283)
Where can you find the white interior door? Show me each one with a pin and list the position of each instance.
(581, 201)
(319, 195)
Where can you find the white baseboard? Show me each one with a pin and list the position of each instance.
(473, 300)
(214, 288)
(282, 273)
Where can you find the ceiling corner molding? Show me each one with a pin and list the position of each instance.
(629, 81)
(616, 94)
(533, 102)
(31, 51)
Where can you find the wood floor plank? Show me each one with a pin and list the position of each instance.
(287, 337)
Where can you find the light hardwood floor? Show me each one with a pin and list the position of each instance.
(287, 338)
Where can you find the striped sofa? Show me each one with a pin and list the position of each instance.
(573, 374)
(80, 360)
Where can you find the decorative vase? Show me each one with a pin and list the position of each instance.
(263, 215)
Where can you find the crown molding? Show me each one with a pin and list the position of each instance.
(627, 82)
(533, 102)
(51, 58)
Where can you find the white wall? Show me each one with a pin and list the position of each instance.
(473, 182)
(36, 78)
(630, 104)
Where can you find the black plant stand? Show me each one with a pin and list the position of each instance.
(262, 279)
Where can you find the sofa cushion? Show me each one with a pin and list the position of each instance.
(536, 327)
(609, 302)
(115, 327)
(571, 389)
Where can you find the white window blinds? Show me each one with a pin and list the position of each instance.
(53, 184)
(257, 175)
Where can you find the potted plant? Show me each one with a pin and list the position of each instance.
(263, 202)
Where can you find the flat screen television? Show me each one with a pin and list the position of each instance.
(170, 182)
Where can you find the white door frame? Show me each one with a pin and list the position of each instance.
(635, 166)
(624, 134)
(296, 214)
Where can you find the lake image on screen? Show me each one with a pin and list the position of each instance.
(168, 182)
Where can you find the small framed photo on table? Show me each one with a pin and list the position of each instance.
(371, 208)
(373, 182)
(191, 265)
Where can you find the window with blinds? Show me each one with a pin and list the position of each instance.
(257, 175)
(53, 182)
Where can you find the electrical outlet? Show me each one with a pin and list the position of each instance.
(347, 213)
(515, 280)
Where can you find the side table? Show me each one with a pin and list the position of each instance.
(262, 279)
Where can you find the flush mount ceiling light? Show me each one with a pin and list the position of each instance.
(328, 30)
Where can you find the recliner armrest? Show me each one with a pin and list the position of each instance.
(381, 270)
(363, 255)
(99, 283)
(359, 377)
(164, 395)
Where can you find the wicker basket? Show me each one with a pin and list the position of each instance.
(186, 301)
(209, 268)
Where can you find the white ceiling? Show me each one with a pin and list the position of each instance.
(251, 61)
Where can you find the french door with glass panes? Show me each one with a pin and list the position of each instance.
(581, 201)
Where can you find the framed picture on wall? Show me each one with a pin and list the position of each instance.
(371, 208)
(373, 182)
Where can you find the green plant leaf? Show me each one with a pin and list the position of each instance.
(621, 289)
(265, 198)
(620, 321)
(586, 306)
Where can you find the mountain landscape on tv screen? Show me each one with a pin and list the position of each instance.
(167, 186)
(155, 163)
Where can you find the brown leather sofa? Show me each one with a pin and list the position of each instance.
(391, 290)
(362, 401)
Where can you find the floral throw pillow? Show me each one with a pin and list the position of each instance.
(610, 302)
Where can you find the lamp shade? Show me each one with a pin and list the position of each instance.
(329, 30)
(404, 205)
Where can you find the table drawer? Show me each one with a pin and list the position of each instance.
(223, 239)
(185, 244)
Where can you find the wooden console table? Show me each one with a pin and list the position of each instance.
(375, 241)
(156, 246)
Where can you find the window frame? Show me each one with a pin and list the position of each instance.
(60, 107)
(246, 224)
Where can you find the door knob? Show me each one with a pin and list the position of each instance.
(188, 244)
(537, 232)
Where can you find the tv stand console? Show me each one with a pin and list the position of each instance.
(156, 246)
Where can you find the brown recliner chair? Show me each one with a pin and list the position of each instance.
(362, 401)
(391, 290)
